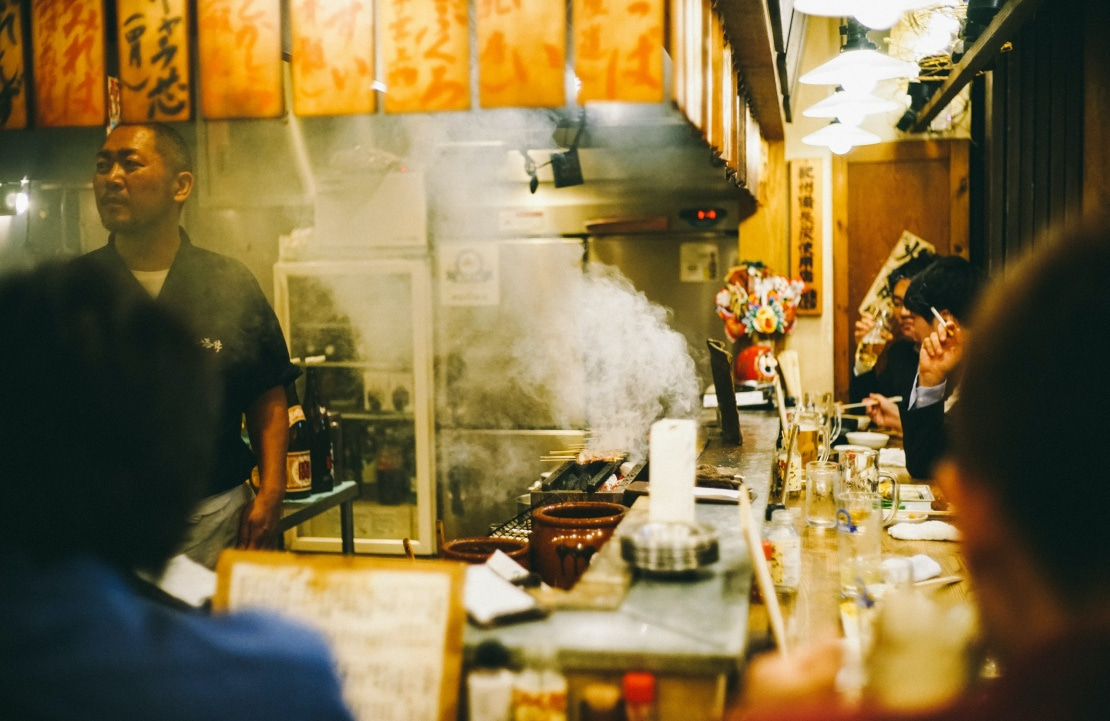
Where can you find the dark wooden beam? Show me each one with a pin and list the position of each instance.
(748, 26)
(1002, 29)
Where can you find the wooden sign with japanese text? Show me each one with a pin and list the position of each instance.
(426, 55)
(333, 57)
(69, 70)
(676, 48)
(154, 60)
(239, 48)
(618, 50)
(521, 53)
(805, 231)
(13, 69)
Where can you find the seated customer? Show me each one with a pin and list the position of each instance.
(894, 373)
(1031, 498)
(951, 286)
(104, 431)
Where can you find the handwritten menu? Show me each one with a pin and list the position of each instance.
(239, 47)
(521, 53)
(395, 627)
(13, 74)
(68, 41)
(426, 54)
(333, 57)
(619, 50)
(154, 60)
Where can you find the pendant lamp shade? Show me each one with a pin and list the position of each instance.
(875, 14)
(859, 70)
(850, 107)
(840, 138)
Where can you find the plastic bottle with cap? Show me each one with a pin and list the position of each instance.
(489, 686)
(786, 562)
(639, 696)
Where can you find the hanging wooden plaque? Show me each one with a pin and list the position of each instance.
(13, 69)
(521, 53)
(805, 231)
(68, 41)
(333, 57)
(619, 50)
(239, 49)
(154, 60)
(677, 51)
(426, 54)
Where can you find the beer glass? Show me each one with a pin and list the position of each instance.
(813, 437)
(821, 480)
(859, 532)
(830, 411)
(871, 345)
(859, 472)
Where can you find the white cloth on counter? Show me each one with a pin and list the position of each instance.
(924, 567)
(927, 531)
(892, 457)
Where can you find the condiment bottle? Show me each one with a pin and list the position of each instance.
(489, 686)
(639, 696)
(298, 458)
(540, 690)
(786, 561)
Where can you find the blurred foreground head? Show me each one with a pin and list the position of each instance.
(1034, 411)
(106, 424)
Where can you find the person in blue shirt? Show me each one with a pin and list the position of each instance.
(106, 437)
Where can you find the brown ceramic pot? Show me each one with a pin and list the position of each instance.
(479, 549)
(565, 537)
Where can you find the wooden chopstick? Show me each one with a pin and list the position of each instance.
(861, 404)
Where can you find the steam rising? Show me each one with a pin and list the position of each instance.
(634, 369)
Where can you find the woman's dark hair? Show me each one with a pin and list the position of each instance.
(106, 429)
(949, 283)
(1030, 423)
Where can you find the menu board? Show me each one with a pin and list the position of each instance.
(394, 626)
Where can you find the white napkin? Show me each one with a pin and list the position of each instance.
(924, 567)
(892, 457)
(927, 531)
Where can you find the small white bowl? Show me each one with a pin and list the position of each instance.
(862, 422)
(867, 438)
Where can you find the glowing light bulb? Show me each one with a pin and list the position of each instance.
(861, 82)
(840, 147)
(850, 117)
(22, 202)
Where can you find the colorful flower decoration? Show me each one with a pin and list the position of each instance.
(756, 302)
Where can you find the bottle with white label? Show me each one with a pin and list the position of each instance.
(786, 561)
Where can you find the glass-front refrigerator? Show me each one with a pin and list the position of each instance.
(366, 326)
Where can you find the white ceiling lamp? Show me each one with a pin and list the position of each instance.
(859, 66)
(875, 14)
(840, 138)
(849, 107)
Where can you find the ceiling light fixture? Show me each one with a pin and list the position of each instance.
(849, 107)
(875, 14)
(859, 66)
(840, 138)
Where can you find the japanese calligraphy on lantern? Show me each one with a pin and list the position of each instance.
(618, 47)
(68, 41)
(153, 60)
(333, 57)
(426, 53)
(13, 84)
(805, 231)
(239, 48)
(521, 53)
(907, 247)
